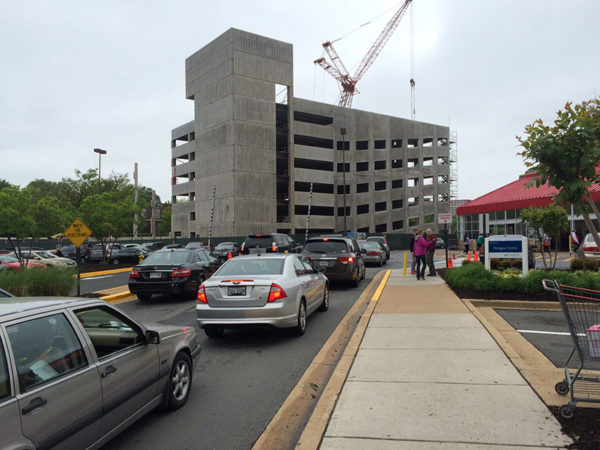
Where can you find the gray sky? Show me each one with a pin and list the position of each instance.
(77, 75)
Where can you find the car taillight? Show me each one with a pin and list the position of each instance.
(591, 249)
(372, 253)
(201, 297)
(274, 247)
(276, 293)
(309, 258)
(345, 259)
(179, 273)
(135, 274)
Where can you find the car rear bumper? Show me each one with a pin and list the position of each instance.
(278, 314)
(371, 259)
(163, 287)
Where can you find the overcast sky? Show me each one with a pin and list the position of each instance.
(77, 74)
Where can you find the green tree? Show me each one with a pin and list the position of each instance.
(551, 220)
(566, 156)
(16, 220)
(4, 183)
(164, 227)
(48, 217)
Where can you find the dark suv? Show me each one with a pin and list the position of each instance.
(340, 256)
(268, 243)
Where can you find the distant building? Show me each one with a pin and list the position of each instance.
(260, 148)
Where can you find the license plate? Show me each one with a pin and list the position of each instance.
(155, 275)
(323, 263)
(236, 290)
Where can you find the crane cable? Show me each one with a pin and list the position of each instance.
(367, 23)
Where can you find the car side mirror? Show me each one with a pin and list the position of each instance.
(152, 337)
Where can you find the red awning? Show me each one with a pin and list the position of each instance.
(516, 195)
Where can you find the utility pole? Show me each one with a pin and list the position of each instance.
(153, 215)
(343, 133)
(135, 200)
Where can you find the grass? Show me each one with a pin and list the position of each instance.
(50, 281)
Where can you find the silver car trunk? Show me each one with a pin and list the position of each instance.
(249, 290)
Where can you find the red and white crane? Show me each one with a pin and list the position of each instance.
(335, 67)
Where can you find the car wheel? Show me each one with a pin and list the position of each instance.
(115, 261)
(364, 272)
(178, 387)
(356, 277)
(143, 297)
(300, 327)
(325, 305)
(213, 331)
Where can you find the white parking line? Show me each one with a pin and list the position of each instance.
(555, 333)
(95, 278)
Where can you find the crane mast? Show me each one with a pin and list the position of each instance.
(336, 68)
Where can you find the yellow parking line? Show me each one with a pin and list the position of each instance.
(381, 286)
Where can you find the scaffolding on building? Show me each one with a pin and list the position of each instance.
(453, 144)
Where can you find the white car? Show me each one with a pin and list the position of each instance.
(589, 247)
(47, 258)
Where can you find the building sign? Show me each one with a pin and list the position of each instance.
(444, 218)
(505, 247)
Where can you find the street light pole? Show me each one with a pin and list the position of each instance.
(343, 133)
(100, 153)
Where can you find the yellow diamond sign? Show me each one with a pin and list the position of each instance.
(78, 232)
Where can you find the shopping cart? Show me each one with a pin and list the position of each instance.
(581, 308)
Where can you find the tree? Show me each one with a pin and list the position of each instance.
(48, 217)
(567, 156)
(4, 183)
(164, 226)
(16, 220)
(551, 220)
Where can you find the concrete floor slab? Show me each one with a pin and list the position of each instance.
(423, 338)
(435, 366)
(412, 281)
(390, 444)
(481, 414)
(433, 320)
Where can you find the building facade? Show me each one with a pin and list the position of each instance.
(258, 149)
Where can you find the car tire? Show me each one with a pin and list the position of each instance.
(179, 383)
(115, 261)
(213, 332)
(143, 297)
(300, 327)
(356, 279)
(325, 304)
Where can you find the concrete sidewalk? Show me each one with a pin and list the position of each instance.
(427, 374)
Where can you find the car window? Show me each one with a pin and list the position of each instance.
(45, 349)
(328, 246)
(299, 267)
(4, 381)
(258, 266)
(166, 258)
(109, 331)
(309, 267)
(259, 241)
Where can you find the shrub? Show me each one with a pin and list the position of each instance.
(576, 264)
(590, 264)
(50, 281)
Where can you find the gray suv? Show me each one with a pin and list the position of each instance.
(268, 243)
(75, 372)
(339, 256)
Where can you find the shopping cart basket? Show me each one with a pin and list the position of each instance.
(581, 308)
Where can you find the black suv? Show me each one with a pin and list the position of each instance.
(340, 256)
(268, 243)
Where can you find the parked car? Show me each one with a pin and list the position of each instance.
(194, 245)
(152, 246)
(279, 290)
(209, 261)
(268, 243)
(3, 293)
(69, 251)
(46, 258)
(167, 271)
(130, 254)
(76, 372)
(340, 256)
(383, 242)
(223, 249)
(373, 252)
(12, 262)
(589, 247)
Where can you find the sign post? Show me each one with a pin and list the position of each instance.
(77, 233)
(508, 246)
(445, 218)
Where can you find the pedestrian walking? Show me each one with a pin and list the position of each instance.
(431, 242)
(546, 242)
(574, 241)
(479, 241)
(412, 252)
(467, 242)
(420, 251)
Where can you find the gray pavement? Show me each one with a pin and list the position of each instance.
(427, 374)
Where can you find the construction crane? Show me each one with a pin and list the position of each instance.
(335, 67)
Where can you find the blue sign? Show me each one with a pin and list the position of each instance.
(505, 246)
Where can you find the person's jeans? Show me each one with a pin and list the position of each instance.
(414, 262)
(429, 259)
(421, 264)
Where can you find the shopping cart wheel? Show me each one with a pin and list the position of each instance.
(566, 411)
(562, 387)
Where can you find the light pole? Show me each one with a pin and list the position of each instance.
(100, 153)
(343, 133)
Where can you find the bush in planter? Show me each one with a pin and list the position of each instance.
(50, 281)
(576, 264)
(590, 264)
(471, 276)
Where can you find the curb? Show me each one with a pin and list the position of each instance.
(104, 272)
(289, 421)
(113, 298)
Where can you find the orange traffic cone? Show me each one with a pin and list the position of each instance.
(475, 255)
(453, 255)
(229, 256)
(449, 263)
(468, 256)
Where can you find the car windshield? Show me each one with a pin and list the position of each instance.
(257, 266)
(328, 246)
(46, 255)
(225, 246)
(368, 245)
(193, 245)
(376, 239)
(8, 258)
(259, 241)
(167, 258)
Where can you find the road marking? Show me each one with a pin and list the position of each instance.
(555, 333)
(96, 278)
(381, 286)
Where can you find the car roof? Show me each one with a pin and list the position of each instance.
(11, 306)
(266, 256)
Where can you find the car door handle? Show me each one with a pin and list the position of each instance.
(109, 370)
(36, 403)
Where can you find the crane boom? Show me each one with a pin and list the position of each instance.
(337, 69)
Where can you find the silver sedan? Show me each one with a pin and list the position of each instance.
(277, 289)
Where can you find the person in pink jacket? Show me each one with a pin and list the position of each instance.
(420, 251)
